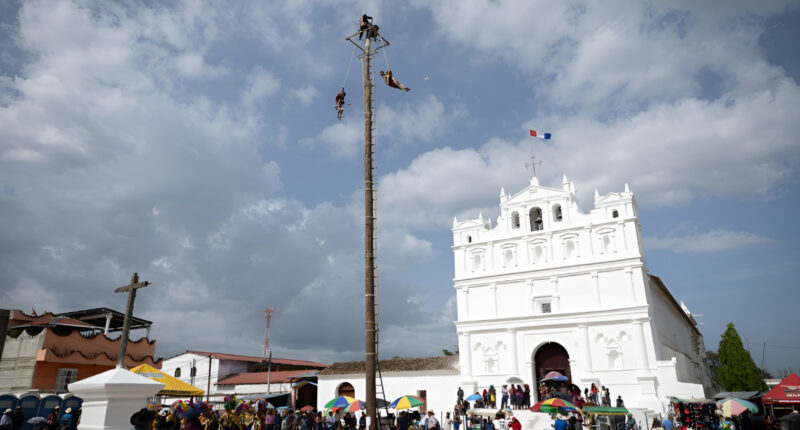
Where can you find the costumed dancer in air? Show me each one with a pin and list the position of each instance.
(339, 106)
(392, 81)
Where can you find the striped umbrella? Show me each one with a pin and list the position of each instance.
(734, 407)
(406, 402)
(554, 405)
(355, 406)
(340, 402)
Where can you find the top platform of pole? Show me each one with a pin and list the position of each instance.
(378, 38)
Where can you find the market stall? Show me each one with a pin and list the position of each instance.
(784, 398)
(699, 414)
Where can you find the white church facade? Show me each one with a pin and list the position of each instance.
(549, 287)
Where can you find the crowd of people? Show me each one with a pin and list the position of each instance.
(13, 420)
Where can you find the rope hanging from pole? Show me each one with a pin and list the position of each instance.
(350, 63)
(386, 57)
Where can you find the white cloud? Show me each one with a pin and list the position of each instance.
(423, 121)
(713, 241)
(260, 85)
(344, 139)
(305, 95)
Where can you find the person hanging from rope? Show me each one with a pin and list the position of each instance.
(392, 81)
(340, 103)
(364, 23)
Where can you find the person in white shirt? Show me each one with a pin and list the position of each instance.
(431, 423)
(500, 423)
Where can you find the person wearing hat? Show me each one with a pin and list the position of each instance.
(432, 423)
(5, 420)
(66, 420)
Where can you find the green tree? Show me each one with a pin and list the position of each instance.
(737, 371)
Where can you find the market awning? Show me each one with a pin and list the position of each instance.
(172, 386)
(605, 410)
(786, 392)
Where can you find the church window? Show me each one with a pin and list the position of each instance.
(606, 244)
(569, 249)
(538, 253)
(477, 262)
(509, 257)
(469, 239)
(615, 214)
(546, 308)
(178, 372)
(557, 213)
(515, 219)
(536, 219)
(490, 359)
(614, 359)
(193, 371)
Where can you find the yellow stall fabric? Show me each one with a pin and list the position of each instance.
(172, 386)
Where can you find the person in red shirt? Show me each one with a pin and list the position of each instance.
(515, 424)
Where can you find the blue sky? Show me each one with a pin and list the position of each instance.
(197, 144)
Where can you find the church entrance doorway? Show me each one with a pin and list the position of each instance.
(550, 357)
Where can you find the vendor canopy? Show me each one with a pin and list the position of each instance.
(172, 386)
(788, 391)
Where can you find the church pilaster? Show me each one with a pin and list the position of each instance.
(465, 354)
(512, 346)
(638, 337)
(586, 354)
(629, 275)
(493, 289)
(596, 285)
(554, 304)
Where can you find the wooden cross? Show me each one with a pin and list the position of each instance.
(126, 325)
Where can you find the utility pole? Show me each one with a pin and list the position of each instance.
(268, 350)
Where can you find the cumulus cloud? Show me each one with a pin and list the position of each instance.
(421, 122)
(712, 241)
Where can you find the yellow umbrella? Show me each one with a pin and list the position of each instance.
(172, 386)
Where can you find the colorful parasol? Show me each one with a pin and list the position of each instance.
(734, 407)
(554, 405)
(355, 406)
(554, 376)
(307, 408)
(406, 402)
(340, 402)
(473, 397)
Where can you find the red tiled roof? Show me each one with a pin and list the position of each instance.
(261, 377)
(252, 359)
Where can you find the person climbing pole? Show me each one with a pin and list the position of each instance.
(392, 81)
(340, 104)
(364, 23)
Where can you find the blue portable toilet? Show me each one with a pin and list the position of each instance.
(70, 401)
(48, 404)
(30, 407)
(8, 401)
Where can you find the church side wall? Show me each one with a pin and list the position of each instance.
(678, 341)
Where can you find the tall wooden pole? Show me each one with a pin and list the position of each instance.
(369, 220)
